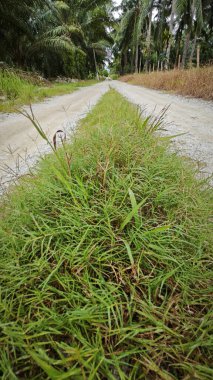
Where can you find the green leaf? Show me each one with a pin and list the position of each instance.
(133, 213)
(129, 252)
(158, 230)
(47, 368)
(134, 204)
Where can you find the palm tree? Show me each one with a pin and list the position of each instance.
(94, 23)
(15, 27)
(148, 5)
(124, 37)
(191, 12)
(129, 35)
(171, 32)
(32, 33)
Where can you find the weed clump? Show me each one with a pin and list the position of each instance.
(105, 259)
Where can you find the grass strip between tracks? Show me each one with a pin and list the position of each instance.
(106, 259)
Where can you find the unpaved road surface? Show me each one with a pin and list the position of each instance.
(191, 117)
(20, 144)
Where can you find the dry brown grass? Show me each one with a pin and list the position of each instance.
(194, 82)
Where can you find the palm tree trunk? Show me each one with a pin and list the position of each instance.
(192, 51)
(132, 62)
(136, 58)
(198, 56)
(178, 41)
(171, 26)
(186, 48)
(148, 39)
(96, 67)
(125, 61)
(140, 61)
(135, 43)
(122, 64)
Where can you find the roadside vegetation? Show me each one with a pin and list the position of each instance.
(194, 82)
(106, 259)
(16, 90)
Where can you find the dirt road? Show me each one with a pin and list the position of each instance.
(193, 117)
(20, 144)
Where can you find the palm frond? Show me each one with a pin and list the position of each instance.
(198, 12)
(55, 44)
(61, 6)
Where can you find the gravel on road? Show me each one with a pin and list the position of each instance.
(191, 118)
(21, 145)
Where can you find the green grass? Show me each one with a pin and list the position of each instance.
(106, 259)
(16, 91)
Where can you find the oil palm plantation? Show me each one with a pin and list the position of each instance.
(133, 25)
(191, 13)
(163, 31)
(54, 37)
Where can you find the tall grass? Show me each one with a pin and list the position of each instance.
(194, 82)
(13, 87)
(106, 259)
(16, 91)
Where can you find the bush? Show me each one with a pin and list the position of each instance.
(114, 76)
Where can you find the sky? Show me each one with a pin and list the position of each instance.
(117, 2)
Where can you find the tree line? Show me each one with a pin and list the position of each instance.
(74, 38)
(68, 37)
(163, 34)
